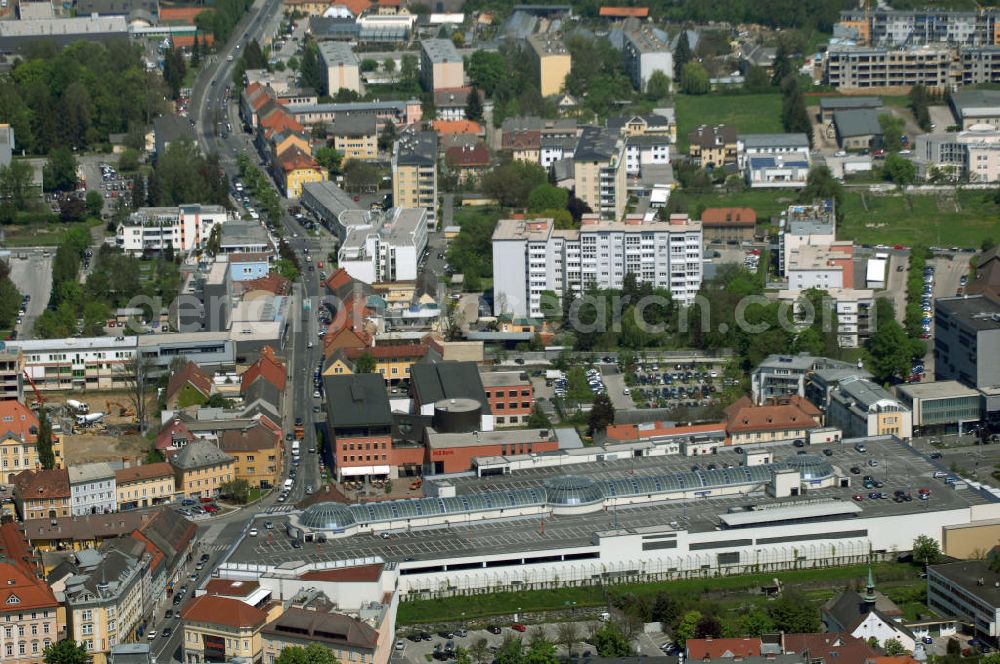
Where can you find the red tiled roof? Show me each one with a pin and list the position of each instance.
(718, 648)
(356, 6)
(175, 429)
(273, 283)
(14, 546)
(457, 127)
(787, 413)
(31, 593)
(632, 432)
(829, 647)
(42, 484)
(268, 367)
(477, 155)
(729, 216)
(249, 257)
(190, 374)
(216, 610)
(522, 140)
(22, 422)
(361, 574)
(181, 41)
(625, 12)
(338, 279)
(294, 159)
(146, 471)
(231, 587)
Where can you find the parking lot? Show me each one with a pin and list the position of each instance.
(31, 272)
(675, 384)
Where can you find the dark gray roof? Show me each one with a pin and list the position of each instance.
(116, 7)
(262, 390)
(844, 103)
(199, 454)
(357, 400)
(857, 122)
(447, 380)
(417, 148)
(966, 575)
(333, 28)
(169, 128)
(595, 144)
(979, 102)
(353, 125)
(976, 311)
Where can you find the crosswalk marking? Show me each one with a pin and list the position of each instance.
(274, 509)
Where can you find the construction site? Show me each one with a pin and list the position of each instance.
(102, 427)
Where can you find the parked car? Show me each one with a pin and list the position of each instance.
(518, 627)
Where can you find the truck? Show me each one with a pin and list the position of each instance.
(89, 419)
(78, 407)
(300, 430)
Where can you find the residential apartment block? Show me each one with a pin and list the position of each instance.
(551, 62)
(182, 228)
(888, 27)
(414, 172)
(646, 51)
(774, 160)
(856, 67)
(343, 69)
(388, 249)
(530, 257)
(221, 629)
(805, 225)
(19, 439)
(441, 65)
(144, 486)
(41, 494)
(356, 137)
(92, 488)
(600, 172)
(712, 147)
(860, 408)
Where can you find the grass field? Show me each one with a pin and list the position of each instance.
(964, 219)
(750, 114)
(895, 579)
(42, 235)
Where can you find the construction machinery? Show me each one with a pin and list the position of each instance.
(89, 420)
(123, 410)
(38, 395)
(78, 407)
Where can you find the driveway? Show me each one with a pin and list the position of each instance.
(615, 384)
(941, 117)
(32, 275)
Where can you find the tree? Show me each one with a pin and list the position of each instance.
(46, 456)
(16, 184)
(926, 550)
(793, 613)
(196, 52)
(757, 80)
(547, 197)
(479, 651)
(782, 67)
(94, 203)
(135, 375)
(686, 627)
(287, 269)
(568, 635)
(369, 65)
(694, 79)
(389, 66)
(409, 69)
(821, 185)
(794, 116)
(487, 70)
(59, 172)
(602, 413)
(365, 364)
(610, 641)
(238, 491)
(893, 648)
(899, 170)
(474, 106)
(540, 649)
(682, 54)
(388, 137)
(890, 350)
(174, 70)
(512, 183)
(666, 608)
(312, 69)
(892, 132)
(538, 419)
(66, 651)
(72, 208)
(329, 159)
(658, 86)
(314, 653)
(708, 627)
(511, 651)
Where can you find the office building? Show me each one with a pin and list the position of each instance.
(781, 375)
(441, 65)
(414, 173)
(389, 249)
(511, 396)
(183, 228)
(859, 67)
(967, 340)
(530, 257)
(551, 62)
(92, 488)
(646, 51)
(359, 422)
(973, 154)
(941, 407)
(968, 590)
(343, 69)
(973, 108)
(860, 408)
(600, 172)
(15, 36)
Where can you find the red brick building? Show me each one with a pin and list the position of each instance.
(454, 452)
(511, 396)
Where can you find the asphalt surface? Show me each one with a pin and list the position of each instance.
(33, 276)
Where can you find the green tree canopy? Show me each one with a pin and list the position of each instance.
(365, 364)
(658, 86)
(602, 413)
(899, 170)
(610, 641)
(512, 183)
(682, 54)
(66, 651)
(926, 550)
(314, 653)
(59, 173)
(694, 79)
(793, 613)
(547, 197)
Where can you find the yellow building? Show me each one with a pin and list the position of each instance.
(297, 169)
(143, 486)
(600, 172)
(201, 469)
(712, 146)
(355, 136)
(218, 629)
(551, 62)
(19, 439)
(393, 363)
(349, 639)
(257, 451)
(414, 173)
(441, 65)
(284, 140)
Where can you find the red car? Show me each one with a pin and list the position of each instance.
(206, 499)
(858, 497)
(518, 627)
(211, 508)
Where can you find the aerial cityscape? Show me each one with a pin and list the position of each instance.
(394, 332)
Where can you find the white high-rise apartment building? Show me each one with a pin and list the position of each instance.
(531, 256)
(182, 228)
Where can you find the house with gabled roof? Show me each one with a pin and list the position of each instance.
(867, 615)
(189, 386)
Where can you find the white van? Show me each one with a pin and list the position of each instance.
(288, 484)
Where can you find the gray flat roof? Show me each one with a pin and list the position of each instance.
(910, 471)
(857, 122)
(976, 311)
(775, 140)
(335, 53)
(331, 197)
(941, 389)
(504, 378)
(836, 103)
(357, 400)
(967, 574)
(498, 437)
(440, 50)
(976, 103)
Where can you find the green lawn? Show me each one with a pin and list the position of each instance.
(42, 235)
(964, 219)
(750, 114)
(765, 202)
(464, 214)
(819, 584)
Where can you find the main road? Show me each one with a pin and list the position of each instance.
(212, 113)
